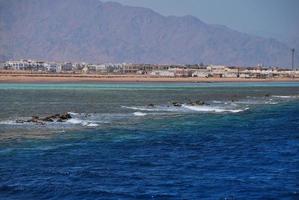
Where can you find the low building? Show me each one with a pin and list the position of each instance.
(244, 75)
(101, 68)
(54, 68)
(26, 65)
(181, 72)
(91, 68)
(201, 73)
(230, 75)
(162, 73)
(67, 67)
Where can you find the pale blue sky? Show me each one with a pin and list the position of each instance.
(269, 18)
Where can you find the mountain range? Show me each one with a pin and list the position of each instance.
(98, 32)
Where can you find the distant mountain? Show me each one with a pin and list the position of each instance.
(92, 31)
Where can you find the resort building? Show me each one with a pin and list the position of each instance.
(202, 73)
(159, 70)
(163, 73)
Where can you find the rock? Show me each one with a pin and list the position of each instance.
(19, 121)
(65, 116)
(35, 120)
(177, 104)
(41, 123)
(150, 105)
(52, 118)
(48, 119)
(200, 103)
(267, 95)
(191, 103)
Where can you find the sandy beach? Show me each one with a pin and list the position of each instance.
(77, 78)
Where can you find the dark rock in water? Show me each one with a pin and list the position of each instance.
(65, 116)
(200, 103)
(267, 95)
(35, 120)
(19, 121)
(48, 119)
(177, 104)
(191, 103)
(52, 118)
(60, 120)
(56, 115)
(150, 105)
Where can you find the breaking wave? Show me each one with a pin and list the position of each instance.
(187, 109)
(286, 97)
(82, 122)
(213, 109)
(140, 114)
(153, 108)
(215, 106)
(93, 120)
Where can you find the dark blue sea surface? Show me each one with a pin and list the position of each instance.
(128, 141)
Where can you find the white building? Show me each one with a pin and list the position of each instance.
(201, 73)
(163, 73)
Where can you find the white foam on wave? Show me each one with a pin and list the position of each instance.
(217, 102)
(9, 122)
(256, 101)
(186, 108)
(73, 113)
(213, 109)
(76, 121)
(286, 97)
(271, 102)
(92, 125)
(153, 109)
(139, 114)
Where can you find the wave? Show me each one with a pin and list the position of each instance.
(153, 109)
(216, 106)
(83, 122)
(256, 102)
(139, 114)
(73, 113)
(75, 121)
(213, 109)
(93, 120)
(92, 125)
(286, 97)
(8, 122)
(185, 108)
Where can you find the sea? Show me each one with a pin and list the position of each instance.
(150, 141)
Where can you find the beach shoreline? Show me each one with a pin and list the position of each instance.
(81, 78)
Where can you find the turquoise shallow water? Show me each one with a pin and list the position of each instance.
(242, 144)
(144, 86)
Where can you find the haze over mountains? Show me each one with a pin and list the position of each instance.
(92, 31)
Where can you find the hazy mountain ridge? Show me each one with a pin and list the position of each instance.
(92, 31)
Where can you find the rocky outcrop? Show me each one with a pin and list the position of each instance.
(177, 104)
(192, 103)
(41, 121)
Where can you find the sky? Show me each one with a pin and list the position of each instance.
(277, 19)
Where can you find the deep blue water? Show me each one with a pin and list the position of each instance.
(242, 145)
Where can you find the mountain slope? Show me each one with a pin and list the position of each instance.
(92, 31)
